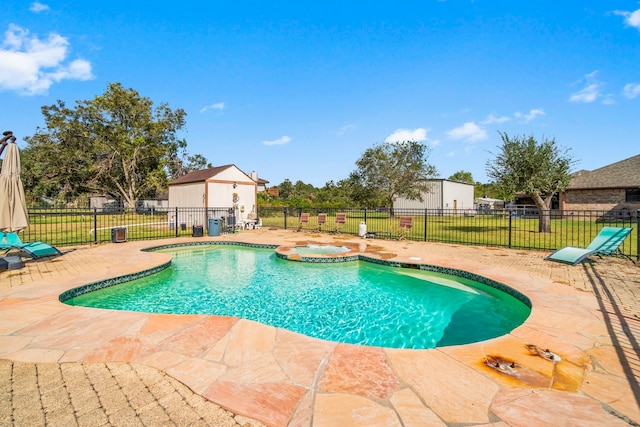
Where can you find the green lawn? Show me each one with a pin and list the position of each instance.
(77, 227)
(489, 230)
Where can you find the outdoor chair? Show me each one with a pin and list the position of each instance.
(252, 220)
(606, 242)
(322, 220)
(304, 219)
(11, 241)
(405, 223)
(341, 220)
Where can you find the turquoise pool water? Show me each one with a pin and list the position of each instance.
(351, 302)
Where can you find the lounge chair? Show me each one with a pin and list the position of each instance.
(11, 241)
(322, 220)
(252, 220)
(341, 220)
(606, 242)
(304, 219)
(3, 245)
(405, 224)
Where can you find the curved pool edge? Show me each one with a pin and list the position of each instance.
(470, 393)
(105, 283)
(101, 284)
(284, 252)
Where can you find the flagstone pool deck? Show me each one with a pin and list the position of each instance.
(63, 365)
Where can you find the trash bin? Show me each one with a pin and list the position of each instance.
(196, 231)
(118, 235)
(215, 225)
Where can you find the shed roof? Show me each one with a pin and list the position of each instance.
(622, 174)
(200, 175)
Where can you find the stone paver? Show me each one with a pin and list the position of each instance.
(98, 394)
(63, 365)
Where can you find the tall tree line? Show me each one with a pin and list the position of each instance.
(117, 144)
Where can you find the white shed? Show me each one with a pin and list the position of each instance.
(443, 194)
(220, 189)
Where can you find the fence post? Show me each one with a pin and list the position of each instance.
(285, 218)
(95, 225)
(365, 215)
(175, 226)
(425, 224)
(510, 224)
(638, 235)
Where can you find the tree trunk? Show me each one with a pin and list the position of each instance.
(544, 213)
(544, 220)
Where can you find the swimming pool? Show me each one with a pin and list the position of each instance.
(352, 302)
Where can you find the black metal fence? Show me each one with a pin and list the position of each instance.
(505, 228)
(80, 226)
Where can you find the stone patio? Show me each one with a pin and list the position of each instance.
(62, 365)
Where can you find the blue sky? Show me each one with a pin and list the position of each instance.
(300, 90)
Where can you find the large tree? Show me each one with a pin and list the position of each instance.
(462, 176)
(116, 143)
(179, 162)
(537, 169)
(387, 171)
(58, 161)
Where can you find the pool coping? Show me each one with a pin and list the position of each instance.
(283, 378)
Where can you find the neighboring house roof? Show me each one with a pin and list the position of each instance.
(262, 181)
(200, 176)
(623, 174)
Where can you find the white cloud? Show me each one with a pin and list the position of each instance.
(631, 90)
(632, 19)
(608, 99)
(30, 66)
(531, 115)
(280, 141)
(493, 119)
(590, 92)
(38, 7)
(587, 94)
(345, 129)
(400, 135)
(468, 131)
(216, 106)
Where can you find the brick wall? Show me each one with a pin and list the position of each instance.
(597, 200)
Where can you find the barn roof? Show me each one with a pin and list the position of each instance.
(200, 175)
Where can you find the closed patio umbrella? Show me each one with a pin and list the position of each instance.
(13, 209)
